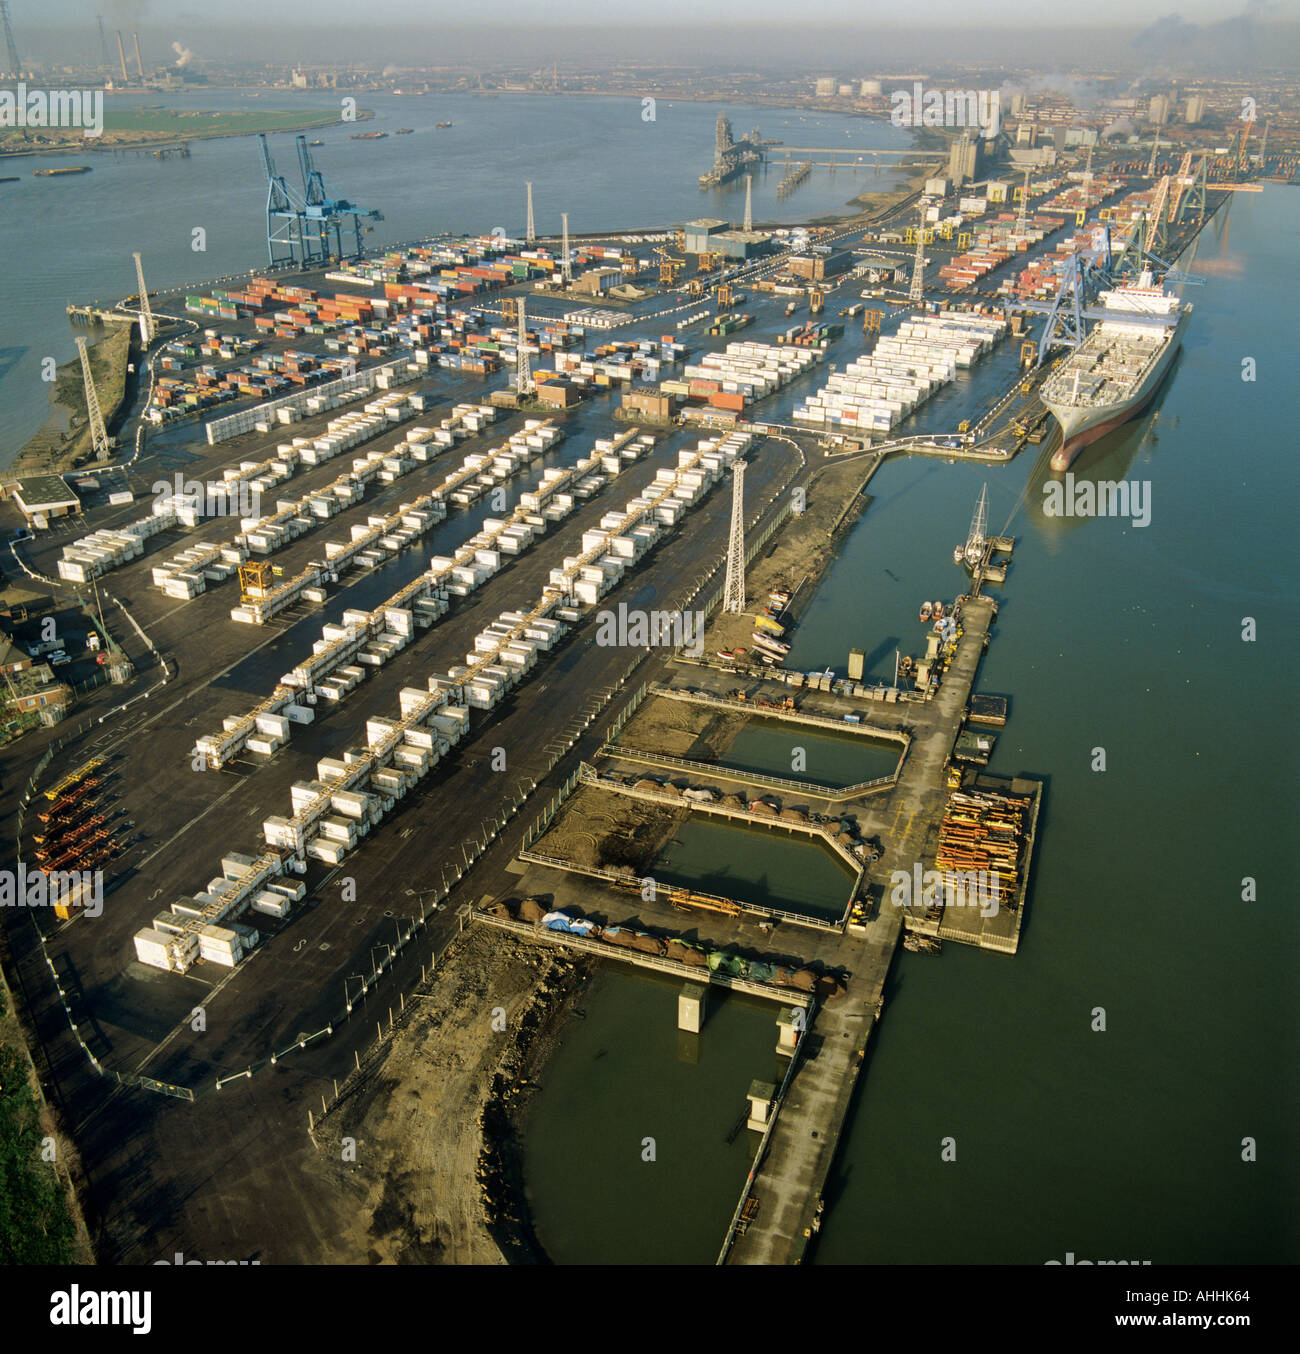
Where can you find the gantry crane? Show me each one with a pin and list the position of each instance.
(285, 237)
(325, 214)
(669, 267)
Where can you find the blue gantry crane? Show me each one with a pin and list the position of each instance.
(309, 226)
(326, 216)
(286, 240)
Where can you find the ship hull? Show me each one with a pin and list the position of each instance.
(1081, 427)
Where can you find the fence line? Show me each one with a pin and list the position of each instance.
(667, 760)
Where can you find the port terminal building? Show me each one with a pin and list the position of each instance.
(711, 236)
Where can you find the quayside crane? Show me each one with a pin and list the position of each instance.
(285, 242)
(326, 215)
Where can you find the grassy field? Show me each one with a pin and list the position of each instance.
(147, 126)
(196, 122)
(36, 1226)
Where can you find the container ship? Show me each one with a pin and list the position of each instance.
(1118, 368)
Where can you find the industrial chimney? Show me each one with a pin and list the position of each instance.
(121, 55)
(139, 65)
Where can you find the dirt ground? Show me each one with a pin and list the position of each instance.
(681, 730)
(796, 556)
(428, 1184)
(598, 829)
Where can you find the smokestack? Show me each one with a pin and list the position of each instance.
(121, 54)
(139, 65)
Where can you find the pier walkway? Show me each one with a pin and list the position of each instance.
(790, 1174)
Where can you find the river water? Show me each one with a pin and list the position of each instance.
(1125, 1143)
(71, 238)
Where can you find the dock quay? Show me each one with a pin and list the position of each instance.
(98, 315)
(655, 962)
(778, 1213)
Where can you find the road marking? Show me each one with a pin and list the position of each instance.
(186, 827)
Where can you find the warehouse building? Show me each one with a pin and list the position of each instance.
(700, 234)
(41, 498)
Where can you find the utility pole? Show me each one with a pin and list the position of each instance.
(733, 597)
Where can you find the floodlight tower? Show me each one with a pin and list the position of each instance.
(916, 292)
(98, 433)
(523, 373)
(530, 230)
(148, 327)
(733, 597)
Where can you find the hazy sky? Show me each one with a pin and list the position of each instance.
(938, 13)
(752, 33)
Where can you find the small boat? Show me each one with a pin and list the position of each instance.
(315, 143)
(937, 613)
(926, 611)
(441, 125)
(404, 131)
(779, 597)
